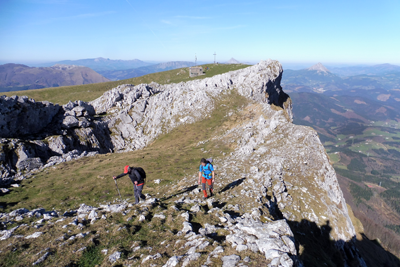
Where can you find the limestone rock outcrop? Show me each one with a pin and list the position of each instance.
(125, 118)
(21, 116)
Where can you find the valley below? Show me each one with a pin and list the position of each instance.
(360, 130)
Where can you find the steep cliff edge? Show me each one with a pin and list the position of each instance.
(277, 191)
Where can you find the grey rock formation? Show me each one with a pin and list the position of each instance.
(42, 258)
(274, 239)
(34, 235)
(114, 257)
(230, 261)
(20, 116)
(49, 137)
(70, 122)
(173, 261)
(135, 115)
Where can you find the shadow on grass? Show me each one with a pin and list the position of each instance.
(187, 189)
(6, 205)
(232, 185)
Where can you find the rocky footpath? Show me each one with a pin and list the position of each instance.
(273, 191)
(226, 239)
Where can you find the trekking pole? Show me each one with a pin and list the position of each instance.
(118, 189)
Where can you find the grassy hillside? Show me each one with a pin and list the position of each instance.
(88, 92)
(88, 180)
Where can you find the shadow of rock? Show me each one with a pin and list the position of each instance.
(232, 185)
(187, 189)
(316, 248)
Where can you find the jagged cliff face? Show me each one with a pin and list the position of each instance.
(123, 119)
(280, 172)
(135, 118)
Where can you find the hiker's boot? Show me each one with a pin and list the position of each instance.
(211, 193)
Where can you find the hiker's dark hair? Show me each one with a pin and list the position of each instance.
(203, 160)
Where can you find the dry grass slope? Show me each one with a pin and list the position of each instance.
(88, 180)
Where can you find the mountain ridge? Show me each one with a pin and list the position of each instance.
(100, 63)
(136, 72)
(15, 77)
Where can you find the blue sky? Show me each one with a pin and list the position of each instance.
(349, 32)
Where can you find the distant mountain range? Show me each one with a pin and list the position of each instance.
(101, 64)
(116, 75)
(15, 77)
(319, 79)
(366, 70)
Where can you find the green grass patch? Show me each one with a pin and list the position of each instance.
(88, 92)
(374, 172)
(395, 228)
(349, 174)
(91, 257)
(392, 198)
(334, 157)
(10, 258)
(360, 193)
(356, 165)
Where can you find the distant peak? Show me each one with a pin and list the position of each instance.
(319, 68)
(232, 61)
(101, 59)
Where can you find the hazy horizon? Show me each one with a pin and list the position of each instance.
(340, 32)
(286, 65)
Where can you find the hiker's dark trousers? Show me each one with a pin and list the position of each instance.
(138, 192)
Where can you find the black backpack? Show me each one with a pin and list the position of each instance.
(141, 172)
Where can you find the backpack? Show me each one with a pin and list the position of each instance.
(209, 161)
(141, 172)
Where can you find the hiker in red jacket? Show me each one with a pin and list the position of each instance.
(137, 180)
(206, 176)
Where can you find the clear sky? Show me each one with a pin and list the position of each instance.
(351, 31)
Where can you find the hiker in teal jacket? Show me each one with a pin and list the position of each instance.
(206, 176)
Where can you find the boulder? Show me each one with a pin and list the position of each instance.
(173, 261)
(21, 116)
(29, 164)
(18, 212)
(114, 257)
(70, 122)
(34, 235)
(230, 261)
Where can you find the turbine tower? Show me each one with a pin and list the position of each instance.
(215, 54)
